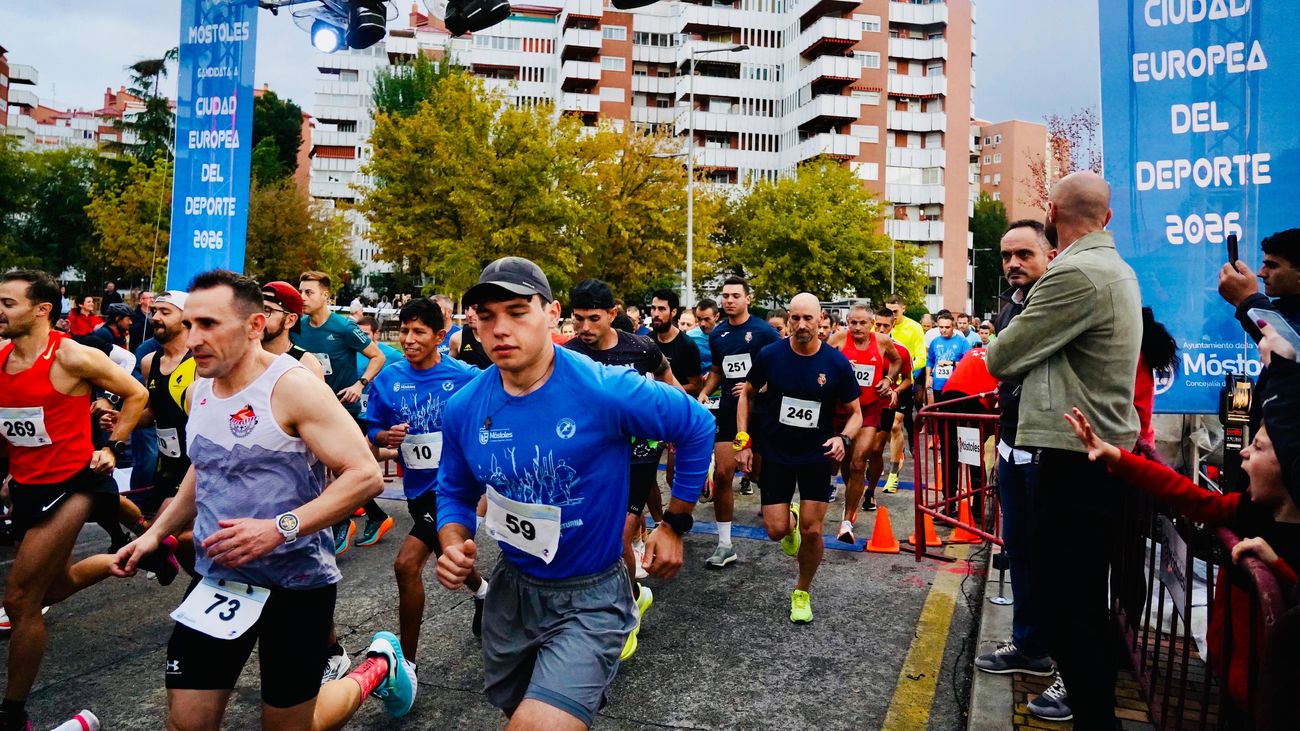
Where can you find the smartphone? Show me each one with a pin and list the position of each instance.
(1279, 323)
(1232, 249)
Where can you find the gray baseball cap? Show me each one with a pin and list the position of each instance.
(516, 275)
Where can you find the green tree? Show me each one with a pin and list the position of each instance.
(987, 226)
(131, 223)
(154, 126)
(820, 232)
(632, 231)
(399, 90)
(56, 228)
(466, 179)
(15, 200)
(278, 121)
(288, 234)
(265, 166)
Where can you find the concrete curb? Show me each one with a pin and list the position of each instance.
(991, 703)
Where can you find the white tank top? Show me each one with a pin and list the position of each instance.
(246, 466)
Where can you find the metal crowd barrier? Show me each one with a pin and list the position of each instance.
(955, 462)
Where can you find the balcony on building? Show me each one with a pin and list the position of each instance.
(830, 144)
(580, 103)
(915, 157)
(912, 230)
(917, 49)
(834, 36)
(830, 74)
(918, 13)
(918, 121)
(917, 86)
(334, 138)
(814, 9)
(21, 73)
(22, 98)
(826, 110)
(579, 75)
(581, 44)
(646, 84)
(581, 13)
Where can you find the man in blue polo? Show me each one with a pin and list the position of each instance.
(546, 433)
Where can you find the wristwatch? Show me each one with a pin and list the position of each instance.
(680, 523)
(363, 381)
(287, 524)
(117, 447)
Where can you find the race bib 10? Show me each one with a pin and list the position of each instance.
(222, 609)
(530, 527)
(169, 443)
(422, 451)
(24, 427)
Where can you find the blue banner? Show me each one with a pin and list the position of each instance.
(1199, 105)
(214, 138)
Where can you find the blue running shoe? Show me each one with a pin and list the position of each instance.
(398, 690)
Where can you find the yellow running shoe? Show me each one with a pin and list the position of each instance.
(629, 647)
(800, 607)
(891, 483)
(790, 543)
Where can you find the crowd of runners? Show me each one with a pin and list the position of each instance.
(272, 415)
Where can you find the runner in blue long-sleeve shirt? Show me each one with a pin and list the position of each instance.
(546, 433)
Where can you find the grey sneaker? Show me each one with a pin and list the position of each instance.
(722, 555)
(335, 667)
(1008, 659)
(1053, 704)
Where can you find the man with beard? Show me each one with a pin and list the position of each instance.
(593, 313)
(283, 308)
(805, 380)
(684, 359)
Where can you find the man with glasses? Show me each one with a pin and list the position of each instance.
(283, 308)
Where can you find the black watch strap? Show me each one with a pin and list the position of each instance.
(118, 448)
(680, 523)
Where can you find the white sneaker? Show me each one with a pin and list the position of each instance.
(336, 667)
(638, 552)
(846, 532)
(5, 625)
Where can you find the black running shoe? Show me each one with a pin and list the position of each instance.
(476, 626)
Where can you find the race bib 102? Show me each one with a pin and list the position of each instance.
(865, 374)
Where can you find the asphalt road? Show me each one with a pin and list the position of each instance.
(717, 650)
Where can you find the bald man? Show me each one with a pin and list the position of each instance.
(805, 379)
(1063, 359)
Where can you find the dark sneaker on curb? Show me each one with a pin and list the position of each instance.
(1053, 704)
(1008, 659)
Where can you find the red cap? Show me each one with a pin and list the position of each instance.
(284, 295)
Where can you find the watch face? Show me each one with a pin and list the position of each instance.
(288, 523)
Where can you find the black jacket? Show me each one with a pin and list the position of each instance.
(1008, 391)
(1289, 308)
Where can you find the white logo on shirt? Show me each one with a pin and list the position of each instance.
(447, 385)
(565, 428)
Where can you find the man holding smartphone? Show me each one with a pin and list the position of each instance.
(1281, 274)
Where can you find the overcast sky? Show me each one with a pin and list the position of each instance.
(1033, 57)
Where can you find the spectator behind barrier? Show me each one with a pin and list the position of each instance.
(1266, 515)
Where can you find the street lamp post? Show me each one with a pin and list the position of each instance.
(688, 287)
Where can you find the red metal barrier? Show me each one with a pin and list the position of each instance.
(952, 465)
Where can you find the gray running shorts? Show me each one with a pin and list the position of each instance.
(555, 641)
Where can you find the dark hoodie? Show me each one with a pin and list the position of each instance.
(1289, 308)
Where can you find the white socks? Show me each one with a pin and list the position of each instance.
(724, 533)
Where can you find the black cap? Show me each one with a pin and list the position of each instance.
(516, 275)
(591, 294)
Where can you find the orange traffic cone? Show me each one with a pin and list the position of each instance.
(931, 538)
(960, 534)
(882, 536)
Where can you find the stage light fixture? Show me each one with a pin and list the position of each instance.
(326, 36)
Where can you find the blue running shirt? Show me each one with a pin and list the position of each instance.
(335, 344)
(567, 444)
(733, 348)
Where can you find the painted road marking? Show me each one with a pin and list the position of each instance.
(919, 676)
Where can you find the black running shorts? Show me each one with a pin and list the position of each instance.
(644, 477)
(292, 635)
(778, 482)
(424, 511)
(34, 504)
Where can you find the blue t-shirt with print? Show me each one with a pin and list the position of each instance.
(335, 344)
(403, 394)
(568, 445)
(949, 349)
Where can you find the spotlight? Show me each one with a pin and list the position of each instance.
(631, 4)
(475, 15)
(325, 36)
(366, 23)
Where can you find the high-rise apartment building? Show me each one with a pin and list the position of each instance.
(1009, 152)
(886, 87)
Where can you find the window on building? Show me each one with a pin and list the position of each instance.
(997, 196)
(663, 103)
(613, 63)
(716, 142)
(498, 43)
(988, 159)
(870, 23)
(893, 67)
(866, 132)
(933, 140)
(935, 35)
(867, 97)
(988, 140)
(997, 139)
(870, 59)
(614, 32)
(997, 178)
(997, 158)
(935, 68)
(986, 180)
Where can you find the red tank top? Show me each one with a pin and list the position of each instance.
(46, 433)
(868, 367)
